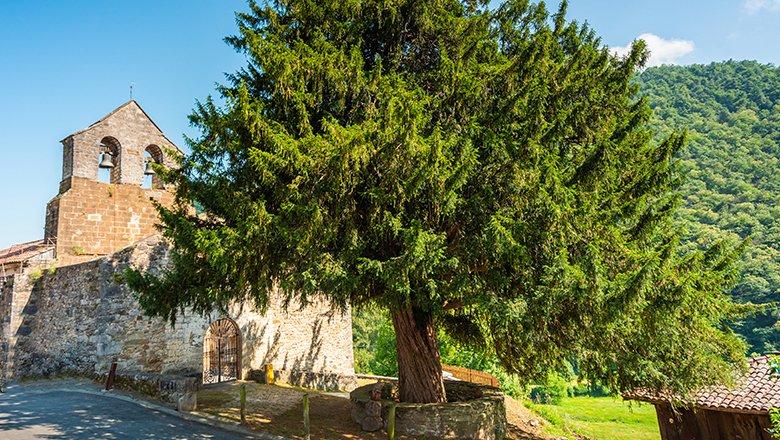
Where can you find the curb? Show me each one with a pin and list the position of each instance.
(205, 419)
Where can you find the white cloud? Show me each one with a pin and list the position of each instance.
(756, 6)
(662, 51)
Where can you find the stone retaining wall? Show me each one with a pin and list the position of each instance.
(168, 389)
(473, 412)
(80, 318)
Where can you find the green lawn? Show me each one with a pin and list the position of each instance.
(601, 418)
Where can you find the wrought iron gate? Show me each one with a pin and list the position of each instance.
(221, 352)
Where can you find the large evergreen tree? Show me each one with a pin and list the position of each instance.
(488, 171)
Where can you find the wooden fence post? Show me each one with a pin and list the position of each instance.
(391, 421)
(306, 425)
(111, 376)
(242, 399)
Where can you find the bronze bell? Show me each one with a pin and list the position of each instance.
(149, 171)
(106, 160)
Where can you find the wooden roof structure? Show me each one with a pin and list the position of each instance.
(24, 251)
(755, 393)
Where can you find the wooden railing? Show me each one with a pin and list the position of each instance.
(473, 376)
(460, 373)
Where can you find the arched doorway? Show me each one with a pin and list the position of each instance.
(222, 352)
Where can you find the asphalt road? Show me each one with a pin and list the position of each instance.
(58, 415)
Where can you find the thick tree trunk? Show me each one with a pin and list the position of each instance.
(419, 364)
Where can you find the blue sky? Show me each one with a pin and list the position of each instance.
(66, 64)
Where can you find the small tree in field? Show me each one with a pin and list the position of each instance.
(486, 171)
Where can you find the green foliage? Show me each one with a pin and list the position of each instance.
(463, 355)
(118, 278)
(373, 339)
(774, 415)
(588, 389)
(552, 392)
(491, 168)
(732, 192)
(35, 274)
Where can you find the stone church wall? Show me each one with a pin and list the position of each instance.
(81, 317)
(309, 347)
(130, 128)
(91, 218)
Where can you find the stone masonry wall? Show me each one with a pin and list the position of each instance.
(15, 302)
(133, 131)
(81, 317)
(90, 218)
(6, 297)
(307, 347)
(472, 411)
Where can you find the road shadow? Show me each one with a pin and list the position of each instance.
(58, 415)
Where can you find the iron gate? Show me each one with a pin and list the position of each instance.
(221, 352)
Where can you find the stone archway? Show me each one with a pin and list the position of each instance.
(222, 352)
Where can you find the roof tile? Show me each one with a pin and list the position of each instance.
(23, 251)
(758, 391)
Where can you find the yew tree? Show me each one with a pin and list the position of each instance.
(483, 170)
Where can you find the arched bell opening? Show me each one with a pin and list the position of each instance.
(152, 154)
(109, 160)
(222, 352)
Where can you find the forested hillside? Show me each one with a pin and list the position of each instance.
(731, 111)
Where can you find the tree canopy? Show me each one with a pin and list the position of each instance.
(487, 171)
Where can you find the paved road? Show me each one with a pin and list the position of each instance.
(57, 415)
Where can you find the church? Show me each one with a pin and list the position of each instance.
(65, 309)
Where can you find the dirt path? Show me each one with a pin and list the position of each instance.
(279, 410)
(524, 424)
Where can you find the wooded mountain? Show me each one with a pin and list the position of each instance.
(731, 111)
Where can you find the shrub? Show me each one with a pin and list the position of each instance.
(588, 389)
(552, 392)
(35, 275)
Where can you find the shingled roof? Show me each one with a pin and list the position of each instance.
(23, 251)
(755, 393)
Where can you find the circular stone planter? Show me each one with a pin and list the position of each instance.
(471, 412)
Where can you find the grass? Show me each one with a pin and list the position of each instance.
(600, 418)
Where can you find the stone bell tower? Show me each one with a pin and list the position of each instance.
(105, 196)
